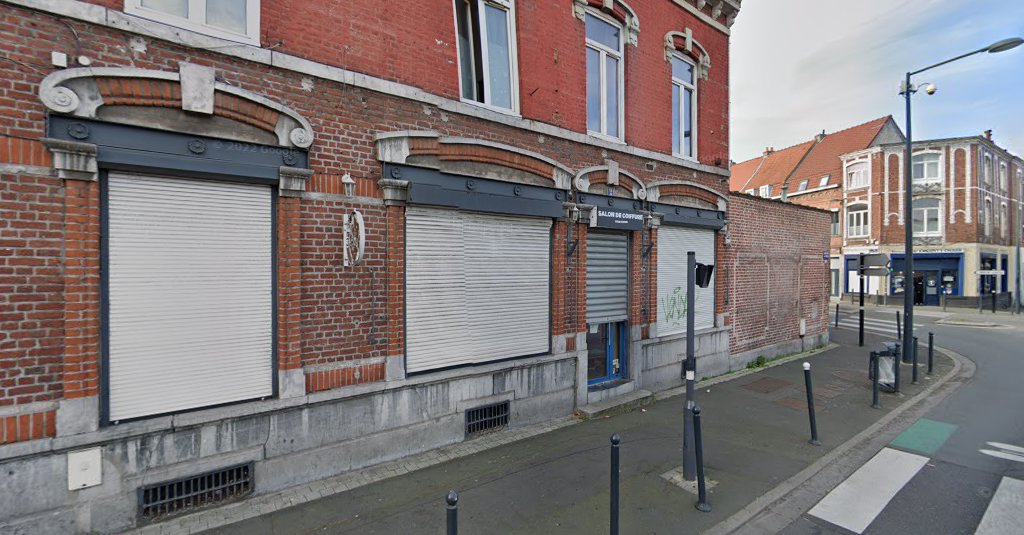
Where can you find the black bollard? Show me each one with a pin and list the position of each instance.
(810, 404)
(614, 521)
(931, 353)
(453, 512)
(837, 315)
(702, 490)
(913, 375)
(874, 381)
(896, 367)
(899, 330)
(993, 302)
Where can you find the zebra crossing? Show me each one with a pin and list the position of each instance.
(858, 501)
(884, 327)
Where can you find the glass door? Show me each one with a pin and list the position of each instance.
(606, 351)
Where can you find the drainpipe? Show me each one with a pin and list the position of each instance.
(785, 193)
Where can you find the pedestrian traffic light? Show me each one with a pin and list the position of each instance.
(703, 276)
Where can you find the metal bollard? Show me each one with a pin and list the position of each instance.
(874, 381)
(614, 520)
(837, 315)
(810, 404)
(913, 360)
(896, 368)
(931, 353)
(993, 301)
(702, 490)
(453, 512)
(899, 330)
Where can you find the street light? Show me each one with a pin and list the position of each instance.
(908, 89)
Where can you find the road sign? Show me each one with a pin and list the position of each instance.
(990, 272)
(875, 260)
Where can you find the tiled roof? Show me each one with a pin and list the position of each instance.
(772, 168)
(810, 160)
(824, 159)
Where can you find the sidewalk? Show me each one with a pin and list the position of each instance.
(969, 317)
(756, 436)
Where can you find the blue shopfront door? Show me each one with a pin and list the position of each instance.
(935, 274)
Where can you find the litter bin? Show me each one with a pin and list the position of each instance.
(888, 359)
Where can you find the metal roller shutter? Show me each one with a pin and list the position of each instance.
(607, 277)
(190, 291)
(673, 244)
(477, 287)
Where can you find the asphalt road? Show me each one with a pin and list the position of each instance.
(955, 487)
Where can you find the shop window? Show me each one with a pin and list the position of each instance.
(604, 76)
(684, 107)
(236, 20)
(486, 48)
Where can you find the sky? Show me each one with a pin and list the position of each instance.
(802, 66)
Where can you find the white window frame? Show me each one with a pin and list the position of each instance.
(620, 54)
(987, 216)
(765, 191)
(752, 191)
(824, 181)
(986, 170)
(865, 172)
(924, 214)
(1004, 177)
(1004, 215)
(803, 184)
(196, 21)
(513, 50)
(836, 227)
(683, 84)
(864, 214)
(925, 179)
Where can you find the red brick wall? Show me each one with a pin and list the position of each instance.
(414, 43)
(776, 271)
(332, 320)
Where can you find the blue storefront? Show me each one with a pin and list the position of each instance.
(934, 274)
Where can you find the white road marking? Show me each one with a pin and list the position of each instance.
(856, 502)
(1005, 513)
(1005, 451)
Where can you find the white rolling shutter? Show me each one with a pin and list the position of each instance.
(190, 294)
(607, 277)
(673, 244)
(477, 287)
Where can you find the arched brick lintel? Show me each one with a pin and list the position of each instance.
(660, 190)
(82, 91)
(613, 176)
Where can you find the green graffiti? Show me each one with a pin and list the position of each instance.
(673, 305)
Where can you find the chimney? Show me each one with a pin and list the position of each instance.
(820, 137)
(768, 150)
(988, 134)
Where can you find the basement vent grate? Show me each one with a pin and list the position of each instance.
(486, 418)
(185, 495)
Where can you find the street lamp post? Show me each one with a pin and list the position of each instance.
(907, 90)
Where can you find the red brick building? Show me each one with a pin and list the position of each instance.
(811, 174)
(966, 217)
(280, 240)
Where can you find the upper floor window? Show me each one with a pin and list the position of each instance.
(766, 190)
(986, 170)
(1004, 177)
(486, 47)
(824, 181)
(987, 217)
(857, 224)
(752, 191)
(926, 167)
(927, 217)
(684, 106)
(236, 20)
(1004, 221)
(857, 175)
(604, 76)
(835, 224)
(803, 185)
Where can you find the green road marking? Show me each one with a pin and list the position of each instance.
(925, 436)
